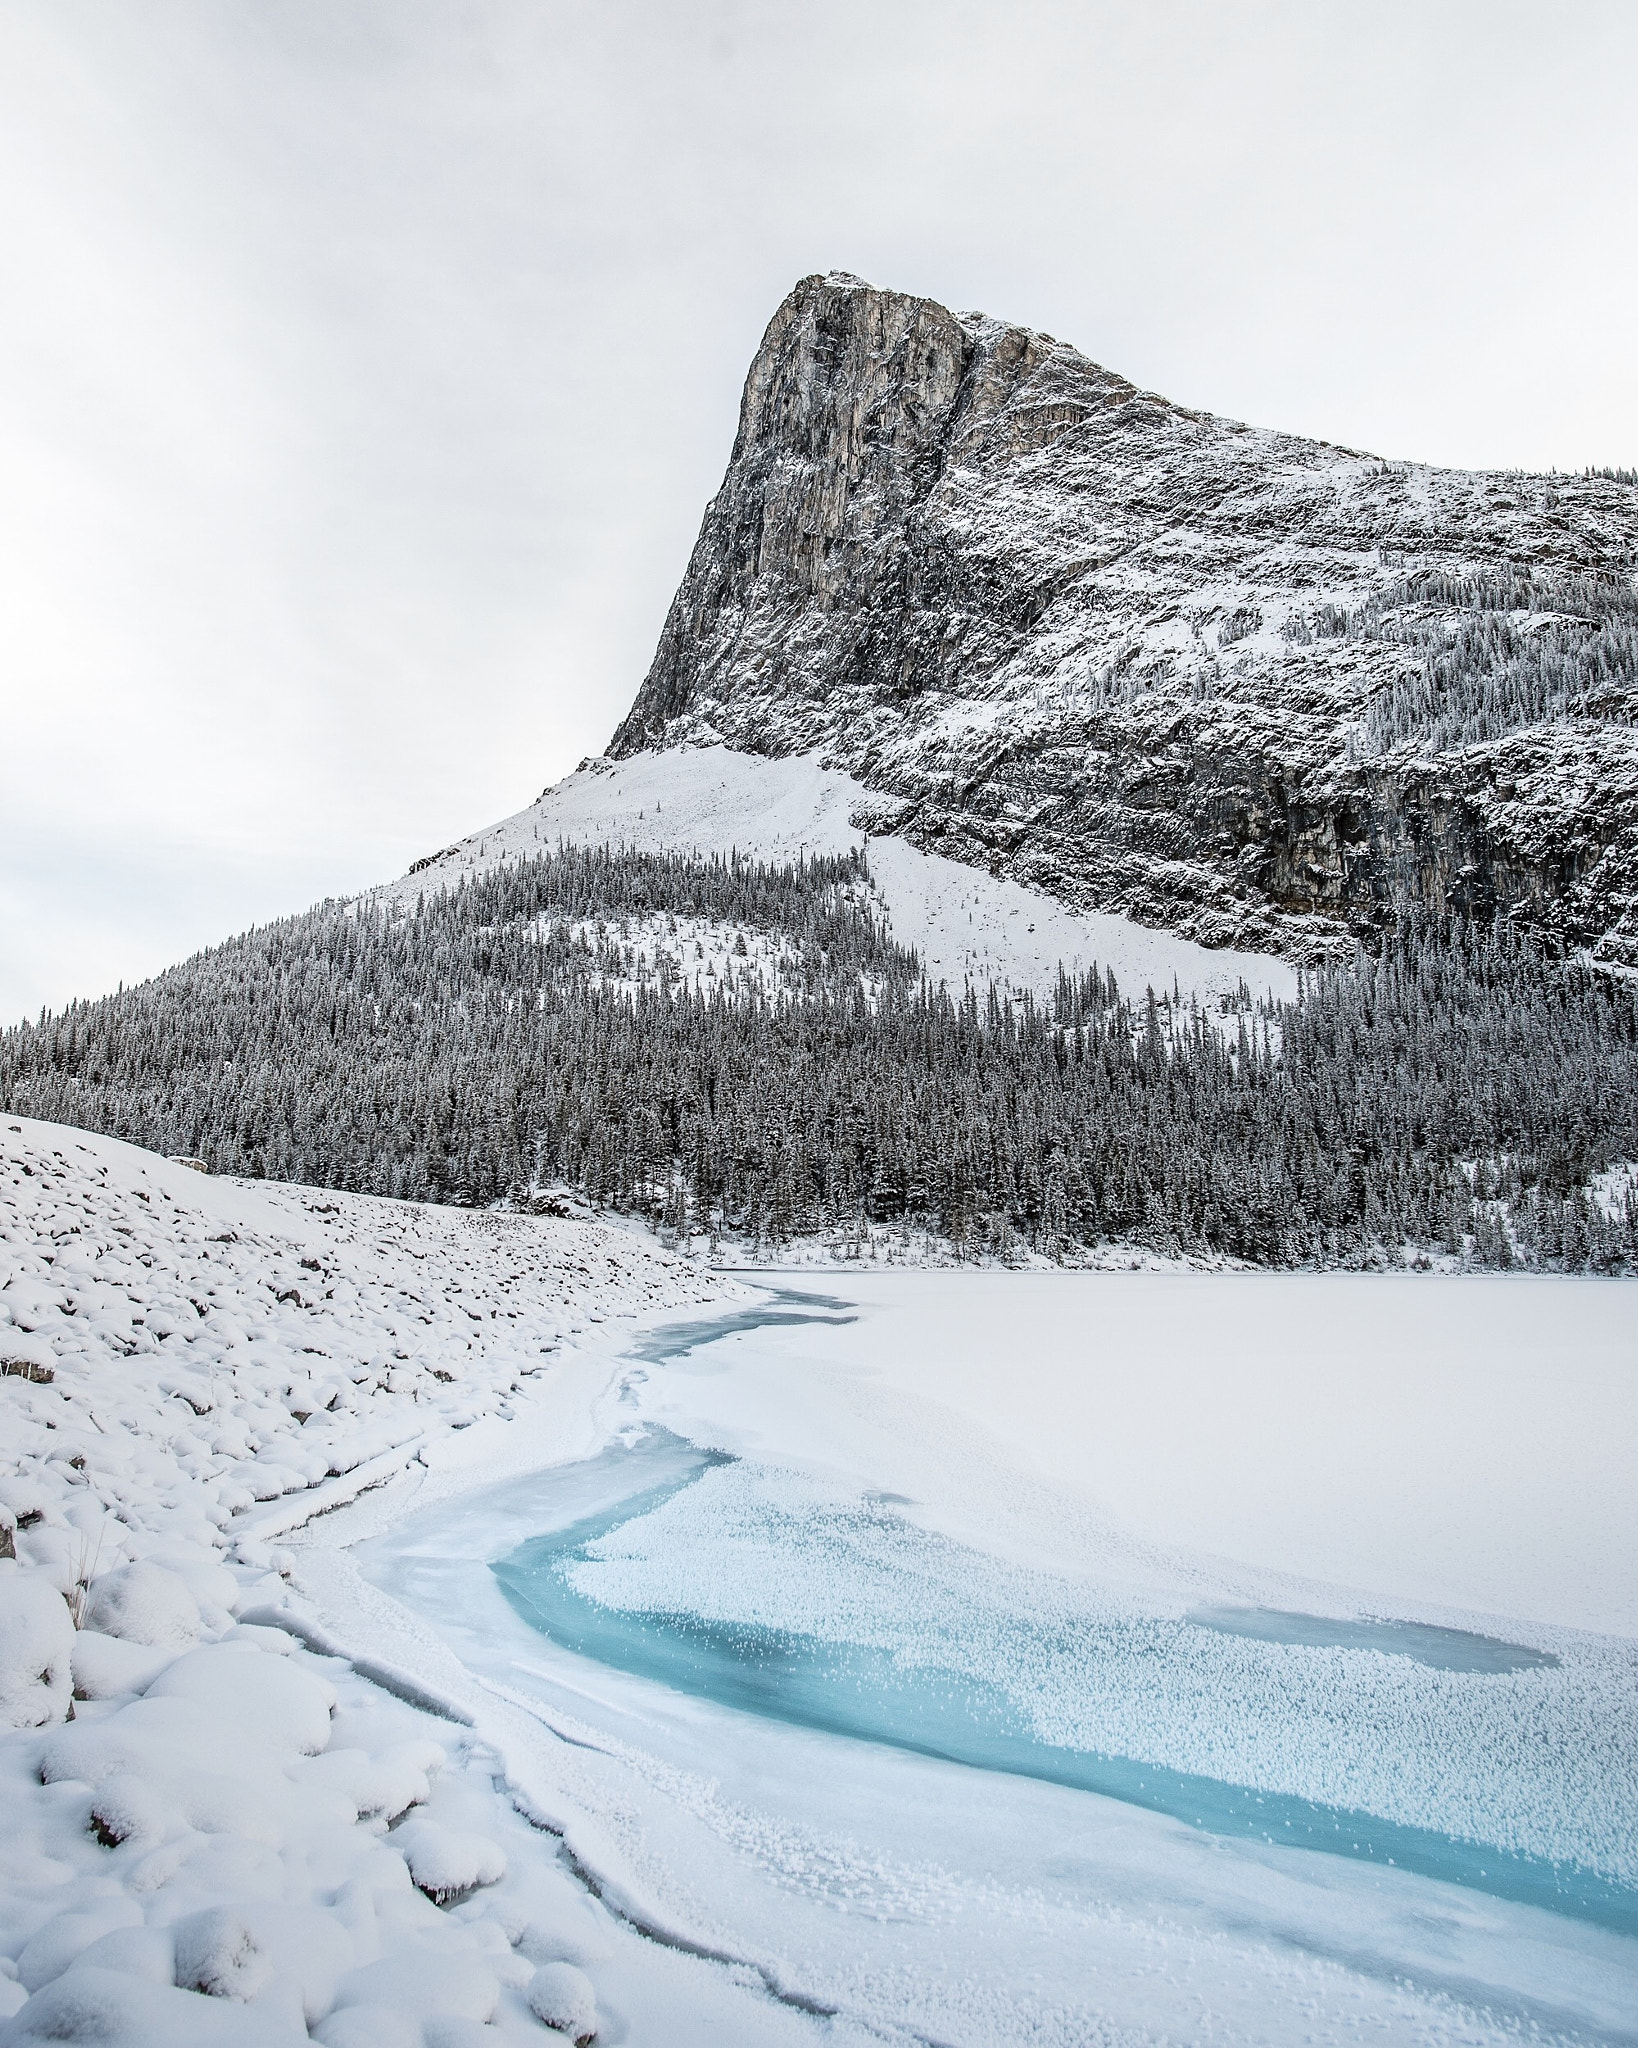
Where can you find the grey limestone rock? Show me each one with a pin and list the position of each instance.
(1151, 660)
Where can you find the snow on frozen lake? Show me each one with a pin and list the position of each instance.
(1472, 1442)
(962, 1652)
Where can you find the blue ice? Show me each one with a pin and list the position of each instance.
(923, 1684)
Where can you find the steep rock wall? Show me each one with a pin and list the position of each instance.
(1128, 653)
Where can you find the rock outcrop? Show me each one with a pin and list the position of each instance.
(1260, 690)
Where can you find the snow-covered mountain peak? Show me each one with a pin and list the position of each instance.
(1249, 687)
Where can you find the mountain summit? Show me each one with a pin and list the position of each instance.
(1256, 689)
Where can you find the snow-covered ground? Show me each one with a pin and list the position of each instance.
(963, 922)
(1615, 1187)
(322, 1781)
(221, 1347)
(214, 1830)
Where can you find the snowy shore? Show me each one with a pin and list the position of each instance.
(218, 1828)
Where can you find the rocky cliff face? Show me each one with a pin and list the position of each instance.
(1258, 689)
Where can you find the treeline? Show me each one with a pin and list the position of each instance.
(1458, 1094)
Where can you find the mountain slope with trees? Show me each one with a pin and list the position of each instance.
(1232, 687)
(1457, 1095)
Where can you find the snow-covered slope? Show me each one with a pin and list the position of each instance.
(296, 1337)
(214, 1831)
(964, 921)
(1252, 688)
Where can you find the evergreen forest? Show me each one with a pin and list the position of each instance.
(740, 1049)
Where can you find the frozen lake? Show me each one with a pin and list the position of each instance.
(1011, 1656)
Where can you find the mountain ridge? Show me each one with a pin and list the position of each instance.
(1150, 661)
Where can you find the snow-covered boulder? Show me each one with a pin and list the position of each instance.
(24, 1499)
(217, 1952)
(370, 2026)
(105, 1667)
(561, 1997)
(213, 1586)
(54, 1552)
(381, 1787)
(446, 1862)
(258, 1947)
(24, 1355)
(448, 2032)
(162, 1769)
(130, 1807)
(36, 1649)
(111, 2009)
(69, 1935)
(147, 1953)
(144, 1603)
(266, 1699)
(449, 1985)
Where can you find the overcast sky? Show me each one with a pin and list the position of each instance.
(365, 365)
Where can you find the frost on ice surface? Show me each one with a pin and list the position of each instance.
(875, 1565)
(839, 1598)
